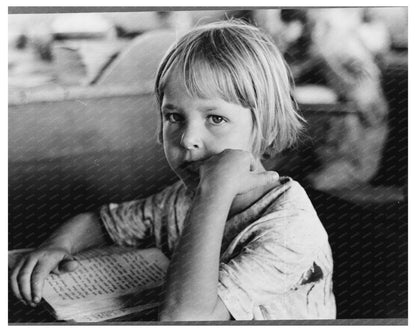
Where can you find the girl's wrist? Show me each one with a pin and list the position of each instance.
(57, 242)
(216, 194)
(217, 188)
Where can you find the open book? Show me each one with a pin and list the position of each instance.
(109, 283)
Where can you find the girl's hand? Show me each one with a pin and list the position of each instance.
(29, 274)
(236, 172)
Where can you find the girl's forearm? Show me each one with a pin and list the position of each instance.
(78, 233)
(192, 283)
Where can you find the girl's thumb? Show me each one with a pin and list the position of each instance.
(68, 265)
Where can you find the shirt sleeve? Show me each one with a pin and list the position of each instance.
(133, 223)
(276, 255)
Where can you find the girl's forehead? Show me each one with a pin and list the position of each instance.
(174, 80)
(175, 89)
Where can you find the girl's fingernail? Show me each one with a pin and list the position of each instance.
(36, 299)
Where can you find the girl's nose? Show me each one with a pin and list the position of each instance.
(191, 137)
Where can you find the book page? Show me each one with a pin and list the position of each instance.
(128, 304)
(141, 300)
(107, 276)
(111, 314)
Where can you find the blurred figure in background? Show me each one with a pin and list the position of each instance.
(330, 47)
(29, 51)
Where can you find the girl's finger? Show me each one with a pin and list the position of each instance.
(13, 279)
(24, 279)
(40, 273)
(267, 179)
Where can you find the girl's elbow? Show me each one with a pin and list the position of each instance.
(165, 316)
(170, 313)
(177, 316)
(178, 311)
(182, 315)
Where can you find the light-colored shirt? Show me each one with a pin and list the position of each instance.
(276, 262)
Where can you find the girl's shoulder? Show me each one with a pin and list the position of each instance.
(285, 209)
(285, 206)
(288, 193)
(291, 210)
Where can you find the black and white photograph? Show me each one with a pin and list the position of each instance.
(208, 165)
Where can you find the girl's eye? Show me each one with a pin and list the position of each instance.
(173, 117)
(216, 119)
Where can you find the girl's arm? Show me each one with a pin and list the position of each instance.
(193, 274)
(192, 283)
(79, 233)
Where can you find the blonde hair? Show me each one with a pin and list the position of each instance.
(238, 63)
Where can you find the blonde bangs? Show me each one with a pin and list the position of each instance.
(204, 79)
(209, 74)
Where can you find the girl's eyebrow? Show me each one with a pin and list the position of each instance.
(169, 107)
(208, 108)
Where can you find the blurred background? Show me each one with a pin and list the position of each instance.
(82, 119)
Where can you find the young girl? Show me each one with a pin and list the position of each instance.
(244, 244)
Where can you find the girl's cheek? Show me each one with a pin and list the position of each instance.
(172, 135)
(172, 150)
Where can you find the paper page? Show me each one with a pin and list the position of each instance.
(141, 299)
(117, 307)
(107, 276)
(111, 314)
